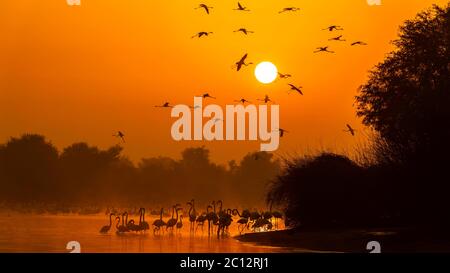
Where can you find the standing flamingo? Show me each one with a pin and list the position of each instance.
(173, 221)
(105, 229)
(143, 225)
(192, 214)
(159, 222)
(180, 223)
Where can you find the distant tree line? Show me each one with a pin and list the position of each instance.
(32, 170)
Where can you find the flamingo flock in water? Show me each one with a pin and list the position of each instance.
(217, 219)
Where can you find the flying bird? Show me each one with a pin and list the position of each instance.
(289, 9)
(243, 101)
(206, 95)
(282, 132)
(241, 62)
(201, 34)
(284, 76)
(333, 28)
(165, 105)
(323, 49)
(350, 130)
(244, 30)
(241, 8)
(266, 99)
(358, 43)
(120, 135)
(338, 38)
(205, 7)
(295, 88)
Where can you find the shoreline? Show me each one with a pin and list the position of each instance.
(392, 240)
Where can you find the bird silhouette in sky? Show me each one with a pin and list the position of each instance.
(289, 9)
(120, 135)
(358, 43)
(282, 132)
(323, 49)
(333, 28)
(205, 7)
(243, 101)
(206, 95)
(350, 130)
(266, 99)
(284, 76)
(241, 62)
(202, 34)
(296, 89)
(338, 38)
(165, 105)
(241, 8)
(244, 30)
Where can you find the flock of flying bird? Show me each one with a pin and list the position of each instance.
(242, 62)
(216, 217)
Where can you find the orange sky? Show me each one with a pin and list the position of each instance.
(81, 73)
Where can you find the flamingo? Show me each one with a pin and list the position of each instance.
(205, 7)
(164, 105)
(282, 132)
(241, 8)
(201, 220)
(173, 221)
(201, 34)
(295, 88)
(120, 135)
(293, 9)
(244, 30)
(242, 222)
(333, 28)
(224, 221)
(206, 95)
(323, 49)
(192, 214)
(338, 38)
(211, 217)
(180, 223)
(359, 43)
(105, 229)
(143, 225)
(284, 76)
(159, 222)
(243, 101)
(122, 228)
(131, 226)
(350, 130)
(241, 62)
(266, 99)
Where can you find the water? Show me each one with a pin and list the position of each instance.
(51, 233)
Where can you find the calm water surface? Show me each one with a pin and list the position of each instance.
(51, 233)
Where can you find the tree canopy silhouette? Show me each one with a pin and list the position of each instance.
(407, 97)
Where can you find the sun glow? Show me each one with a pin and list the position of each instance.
(266, 72)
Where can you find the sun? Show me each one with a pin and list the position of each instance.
(266, 72)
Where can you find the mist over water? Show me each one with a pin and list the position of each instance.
(51, 233)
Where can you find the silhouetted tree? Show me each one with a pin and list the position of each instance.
(30, 169)
(252, 176)
(407, 96)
